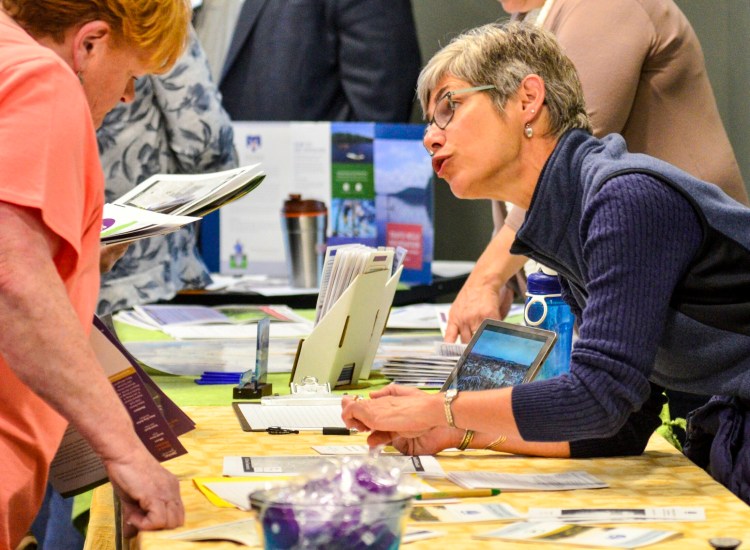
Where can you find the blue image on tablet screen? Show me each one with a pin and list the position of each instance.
(497, 360)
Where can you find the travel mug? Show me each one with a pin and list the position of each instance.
(304, 228)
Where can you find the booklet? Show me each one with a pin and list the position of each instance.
(76, 468)
(561, 533)
(193, 194)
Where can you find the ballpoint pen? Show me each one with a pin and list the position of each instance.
(335, 430)
(277, 430)
(466, 493)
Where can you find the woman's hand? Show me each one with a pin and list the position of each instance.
(427, 443)
(406, 411)
(473, 304)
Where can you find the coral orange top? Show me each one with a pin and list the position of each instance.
(49, 162)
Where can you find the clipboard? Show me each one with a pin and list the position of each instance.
(254, 417)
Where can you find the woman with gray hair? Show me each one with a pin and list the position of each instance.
(638, 245)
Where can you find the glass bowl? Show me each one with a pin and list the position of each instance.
(373, 524)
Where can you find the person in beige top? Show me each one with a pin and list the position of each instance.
(643, 76)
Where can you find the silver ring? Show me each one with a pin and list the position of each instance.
(358, 397)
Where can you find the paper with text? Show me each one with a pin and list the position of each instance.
(563, 481)
(561, 533)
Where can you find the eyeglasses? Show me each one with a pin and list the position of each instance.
(445, 108)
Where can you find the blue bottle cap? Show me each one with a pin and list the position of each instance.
(542, 283)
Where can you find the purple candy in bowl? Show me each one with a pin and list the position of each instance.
(353, 505)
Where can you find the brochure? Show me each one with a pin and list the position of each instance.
(232, 492)
(121, 223)
(561, 533)
(563, 481)
(166, 315)
(76, 468)
(464, 513)
(618, 515)
(425, 466)
(193, 194)
(341, 266)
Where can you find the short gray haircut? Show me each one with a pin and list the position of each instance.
(503, 55)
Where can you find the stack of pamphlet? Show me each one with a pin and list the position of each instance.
(423, 370)
(164, 315)
(191, 322)
(166, 202)
(344, 262)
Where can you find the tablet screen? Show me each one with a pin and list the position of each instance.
(501, 354)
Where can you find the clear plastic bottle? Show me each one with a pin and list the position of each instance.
(546, 309)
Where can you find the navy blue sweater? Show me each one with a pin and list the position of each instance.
(626, 246)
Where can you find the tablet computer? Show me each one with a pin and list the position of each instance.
(500, 354)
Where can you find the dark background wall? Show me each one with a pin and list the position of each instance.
(723, 27)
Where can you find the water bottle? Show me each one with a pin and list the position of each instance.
(546, 309)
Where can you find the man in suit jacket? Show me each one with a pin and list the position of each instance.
(322, 60)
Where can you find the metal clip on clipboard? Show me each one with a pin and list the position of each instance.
(307, 392)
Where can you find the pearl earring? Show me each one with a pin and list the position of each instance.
(533, 111)
(528, 131)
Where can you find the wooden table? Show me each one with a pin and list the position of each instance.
(660, 477)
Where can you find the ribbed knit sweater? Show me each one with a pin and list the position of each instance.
(627, 247)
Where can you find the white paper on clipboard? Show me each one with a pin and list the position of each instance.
(256, 417)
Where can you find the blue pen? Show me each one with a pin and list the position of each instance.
(218, 378)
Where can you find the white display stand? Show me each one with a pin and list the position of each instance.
(342, 346)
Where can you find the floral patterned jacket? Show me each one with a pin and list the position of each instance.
(175, 125)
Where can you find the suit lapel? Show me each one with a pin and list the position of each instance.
(245, 23)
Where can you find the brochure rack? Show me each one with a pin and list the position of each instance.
(342, 346)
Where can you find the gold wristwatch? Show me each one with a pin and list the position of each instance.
(450, 395)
